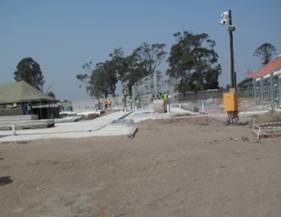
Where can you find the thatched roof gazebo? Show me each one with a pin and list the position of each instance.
(22, 93)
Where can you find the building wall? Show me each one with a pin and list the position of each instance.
(267, 89)
(246, 88)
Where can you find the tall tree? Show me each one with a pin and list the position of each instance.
(143, 61)
(265, 52)
(150, 56)
(97, 84)
(194, 62)
(30, 71)
(86, 74)
(131, 72)
(119, 64)
(51, 94)
(100, 81)
(108, 75)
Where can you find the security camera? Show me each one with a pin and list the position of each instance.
(225, 14)
(223, 21)
(232, 28)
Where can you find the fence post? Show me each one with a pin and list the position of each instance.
(271, 91)
(13, 129)
(254, 85)
(261, 90)
(279, 87)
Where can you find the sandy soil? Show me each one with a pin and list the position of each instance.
(268, 117)
(170, 169)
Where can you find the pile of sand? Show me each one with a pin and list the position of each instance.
(268, 117)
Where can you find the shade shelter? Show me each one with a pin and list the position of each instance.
(15, 97)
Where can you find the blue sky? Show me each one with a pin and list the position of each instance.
(61, 35)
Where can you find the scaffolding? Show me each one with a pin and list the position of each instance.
(154, 84)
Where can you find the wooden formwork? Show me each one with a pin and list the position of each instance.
(269, 129)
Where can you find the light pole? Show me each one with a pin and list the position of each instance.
(230, 98)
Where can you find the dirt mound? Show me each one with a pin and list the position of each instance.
(268, 117)
(179, 121)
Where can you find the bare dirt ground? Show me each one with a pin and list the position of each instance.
(268, 117)
(170, 169)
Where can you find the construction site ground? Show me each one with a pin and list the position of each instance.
(172, 168)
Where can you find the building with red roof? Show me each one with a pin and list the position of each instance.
(273, 66)
(264, 84)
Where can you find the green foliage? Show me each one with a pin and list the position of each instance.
(133, 70)
(30, 71)
(265, 52)
(149, 57)
(51, 94)
(194, 62)
(102, 80)
(143, 61)
(82, 77)
(97, 84)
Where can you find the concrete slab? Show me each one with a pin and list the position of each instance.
(97, 127)
(18, 118)
(27, 124)
(68, 119)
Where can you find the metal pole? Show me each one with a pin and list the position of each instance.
(262, 90)
(233, 83)
(133, 91)
(231, 29)
(254, 89)
(278, 89)
(271, 91)
(155, 83)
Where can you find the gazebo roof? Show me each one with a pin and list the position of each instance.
(22, 92)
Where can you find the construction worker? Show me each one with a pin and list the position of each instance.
(29, 108)
(104, 104)
(131, 103)
(169, 102)
(137, 102)
(109, 103)
(165, 98)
